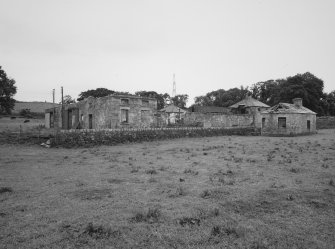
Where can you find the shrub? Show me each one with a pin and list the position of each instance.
(190, 221)
(190, 171)
(97, 232)
(5, 190)
(180, 191)
(134, 170)
(151, 171)
(294, 170)
(26, 113)
(205, 194)
(151, 216)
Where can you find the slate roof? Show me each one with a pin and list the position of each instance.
(172, 109)
(288, 108)
(249, 102)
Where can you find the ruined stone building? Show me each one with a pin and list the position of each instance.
(250, 106)
(129, 111)
(110, 112)
(244, 114)
(288, 119)
(172, 114)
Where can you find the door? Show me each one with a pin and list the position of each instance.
(308, 125)
(51, 124)
(69, 119)
(263, 122)
(90, 121)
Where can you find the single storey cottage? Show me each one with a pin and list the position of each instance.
(288, 119)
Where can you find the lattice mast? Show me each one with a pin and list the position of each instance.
(174, 91)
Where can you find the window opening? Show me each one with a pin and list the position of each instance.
(124, 116)
(124, 101)
(282, 123)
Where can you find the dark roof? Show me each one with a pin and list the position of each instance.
(249, 102)
(211, 109)
(172, 109)
(288, 108)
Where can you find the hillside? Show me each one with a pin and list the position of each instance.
(35, 106)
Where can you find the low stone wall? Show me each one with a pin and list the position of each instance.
(218, 120)
(327, 122)
(87, 138)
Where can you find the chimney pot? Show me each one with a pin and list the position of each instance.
(297, 102)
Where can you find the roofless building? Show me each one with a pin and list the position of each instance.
(288, 119)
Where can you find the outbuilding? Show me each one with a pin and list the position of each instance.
(173, 114)
(251, 106)
(288, 119)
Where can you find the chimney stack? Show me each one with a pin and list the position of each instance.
(297, 102)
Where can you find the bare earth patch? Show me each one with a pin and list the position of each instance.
(217, 192)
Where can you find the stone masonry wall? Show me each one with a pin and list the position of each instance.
(295, 124)
(87, 138)
(327, 122)
(218, 120)
(106, 112)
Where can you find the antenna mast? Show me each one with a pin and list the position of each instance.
(174, 86)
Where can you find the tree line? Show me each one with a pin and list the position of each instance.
(271, 92)
(163, 99)
(306, 86)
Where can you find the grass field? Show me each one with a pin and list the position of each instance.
(217, 192)
(8, 124)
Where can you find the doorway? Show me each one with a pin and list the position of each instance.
(90, 121)
(308, 125)
(69, 119)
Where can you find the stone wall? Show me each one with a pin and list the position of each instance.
(53, 114)
(105, 113)
(327, 122)
(219, 120)
(295, 124)
(86, 138)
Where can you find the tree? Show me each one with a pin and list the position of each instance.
(180, 100)
(203, 101)
(267, 91)
(162, 99)
(68, 100)
(328, 104)
(99, 92)
(7, 91)
(222, 97)
(305, 86)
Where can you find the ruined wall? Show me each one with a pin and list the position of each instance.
(74, 138)
(218, 120)
(327, 122)
(106, 112)
(47, 120)
(295, 124)
(53, 114)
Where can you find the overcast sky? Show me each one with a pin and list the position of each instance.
(131, 45)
